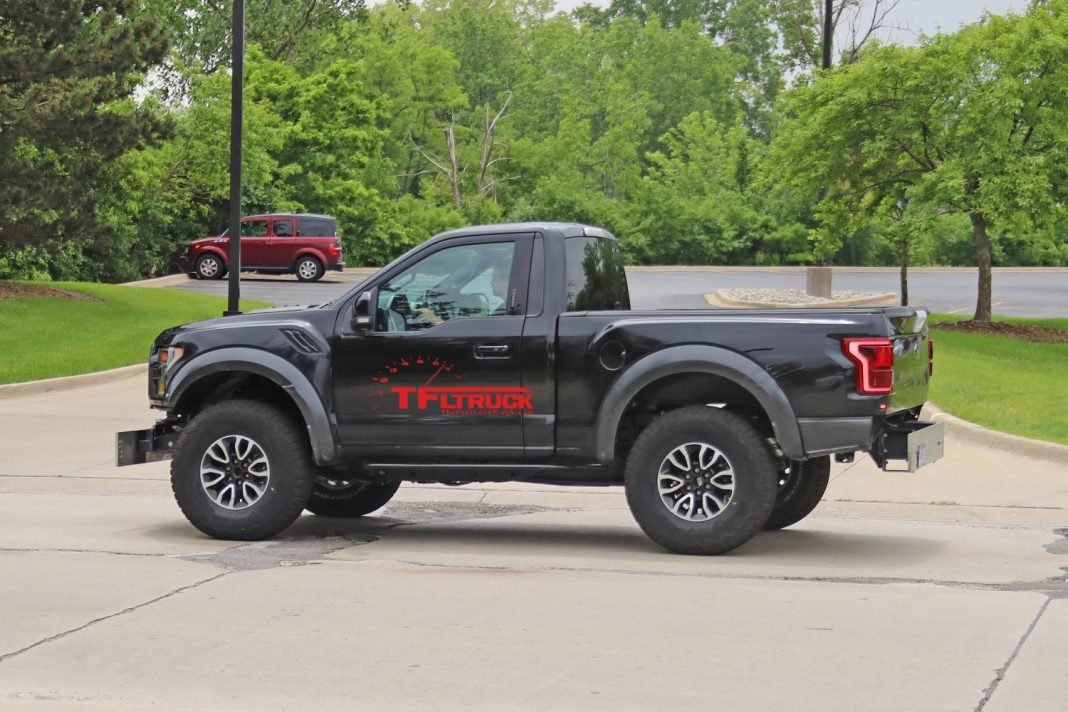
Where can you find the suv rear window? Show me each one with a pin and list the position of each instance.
(316, 227)
(595, 277)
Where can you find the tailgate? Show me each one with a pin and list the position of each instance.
(912, 357)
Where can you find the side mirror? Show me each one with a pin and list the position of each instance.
(361, 317)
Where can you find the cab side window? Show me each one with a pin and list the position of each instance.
(455, 282)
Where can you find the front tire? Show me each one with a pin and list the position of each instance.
(348, 499)
(308, 269)
(210, 267)
(241, 471)
(803, 485)
(700, 480)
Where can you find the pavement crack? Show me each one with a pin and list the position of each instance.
(1000, 674)
(102, 619)
(14, 550)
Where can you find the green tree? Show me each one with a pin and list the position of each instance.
(67, 72)
(972, 122)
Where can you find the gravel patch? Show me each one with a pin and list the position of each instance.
(795, 296)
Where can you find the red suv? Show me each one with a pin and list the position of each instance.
(280, 243)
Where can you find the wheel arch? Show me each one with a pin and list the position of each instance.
(217, 252)
(700, 371)
(246, 372)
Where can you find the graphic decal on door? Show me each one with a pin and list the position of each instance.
(431, 385)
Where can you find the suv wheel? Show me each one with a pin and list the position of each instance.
(210, 267)
(334, 497)
(241, 470)
(308, 269)
(700, 480)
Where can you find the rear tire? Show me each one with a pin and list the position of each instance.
(700, 480)
(242, 471)
(308, 269)
(331, 498)
(803, 486)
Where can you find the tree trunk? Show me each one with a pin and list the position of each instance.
(904, 270)
(982, 250)
(454, 165)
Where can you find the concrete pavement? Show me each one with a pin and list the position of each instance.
(940, 590)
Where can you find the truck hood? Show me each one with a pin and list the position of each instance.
(267, 317)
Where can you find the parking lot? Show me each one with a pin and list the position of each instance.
(1021, 292)
(943, 590)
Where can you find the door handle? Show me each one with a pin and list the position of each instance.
(492, 351)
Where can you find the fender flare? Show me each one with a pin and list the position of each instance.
(697, 358)
(275, 369)
(218, 252)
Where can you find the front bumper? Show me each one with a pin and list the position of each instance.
(135, 447)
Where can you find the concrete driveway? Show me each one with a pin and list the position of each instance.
(943, 590)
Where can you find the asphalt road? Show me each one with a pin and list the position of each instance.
(943, 590)
(1016, 292)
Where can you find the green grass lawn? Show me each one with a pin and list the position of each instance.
(1003, 383)
(53, 336)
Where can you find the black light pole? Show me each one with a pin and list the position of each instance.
(236, 96)
(828, 32)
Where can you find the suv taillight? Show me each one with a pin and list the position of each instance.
(874, 359)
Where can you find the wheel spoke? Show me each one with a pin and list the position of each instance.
(720, 504)
(724, 480)
(687, 500)
(683, 464)
(675, 483)
(706, 461)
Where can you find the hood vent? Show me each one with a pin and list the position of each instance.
(302, 341)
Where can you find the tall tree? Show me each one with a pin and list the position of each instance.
(67, 72)
(973, 122)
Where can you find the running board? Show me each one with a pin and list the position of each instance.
(495, 472)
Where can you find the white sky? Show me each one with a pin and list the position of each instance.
(920, 16)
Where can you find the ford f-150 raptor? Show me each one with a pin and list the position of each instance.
(510, 352)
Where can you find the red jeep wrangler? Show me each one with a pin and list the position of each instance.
(280, 243)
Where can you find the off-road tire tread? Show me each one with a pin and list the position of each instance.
(754, 466)
(794, 504)
(371, 498)
(292, 471)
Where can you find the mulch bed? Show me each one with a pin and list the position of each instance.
(16, 290)
(1037, 334)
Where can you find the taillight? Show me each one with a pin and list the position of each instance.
(874, 359)
(930, 357)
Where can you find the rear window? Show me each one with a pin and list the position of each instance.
(316, 227)
(595, 277)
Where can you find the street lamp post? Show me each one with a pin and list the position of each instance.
(236, 110)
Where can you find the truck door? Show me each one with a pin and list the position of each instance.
(439, 373)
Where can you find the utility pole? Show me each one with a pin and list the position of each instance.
(828, 32)
(236, 115)
(818, 278)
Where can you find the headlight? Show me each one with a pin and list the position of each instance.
(168, 356)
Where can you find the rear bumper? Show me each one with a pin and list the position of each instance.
(339, 267)
(135, 447)
(913, 442)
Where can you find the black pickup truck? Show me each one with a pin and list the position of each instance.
(509, 352)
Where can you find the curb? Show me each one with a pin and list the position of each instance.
(721, 299)
(164, 281)
(964, 431)
(25, 389)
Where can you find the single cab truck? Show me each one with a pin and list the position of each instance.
(510, 352)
